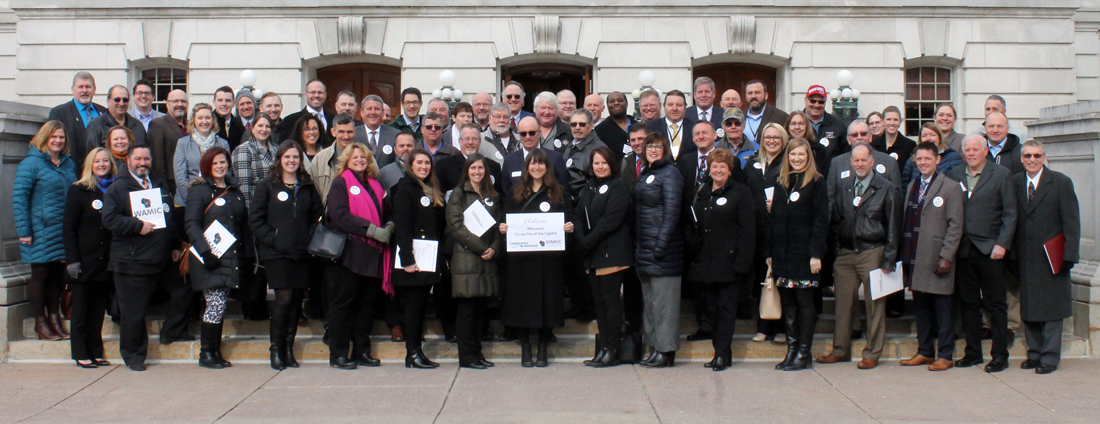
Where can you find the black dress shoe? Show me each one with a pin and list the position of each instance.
(167, 340)
(649, 359)
(89, 364)
(341, 362)
(365, 360)
(425, 358)
(1045, 369)
(488, 364)
(967, 362)
(711, 363)
(1029, 364)
(996, 365)
(477, 365)
(418, 361)
(663, 360)
(720, 364)
(700, 335)
(136, 366)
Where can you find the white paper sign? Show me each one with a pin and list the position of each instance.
(769, 192)
(477, 219)
(885, 284)
(424, 251)
(147, 206)
(196, 253)
(218, 238)
(536, 232)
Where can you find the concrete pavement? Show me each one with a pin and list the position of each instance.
(566, 392)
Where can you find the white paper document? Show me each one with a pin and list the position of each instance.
(147, 206)
(424, 251)
(478, 219)
(885, 284)
(196, 253)
(769, 192)
(218, 238)
(536, 232)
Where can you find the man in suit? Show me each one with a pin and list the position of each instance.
(229, 126)
(730, 98)
(650, 105)
(247, 112)
(514, 96)
(988, 232)
(390, 174)
(593, 103)
(703, 104)
(500, 139)
(1048, 207)
(567, 103)
(75, 115)
(164, 134)
(829, 130)
(675, 126)
(760, 113)
(1004, 147)
(315, 96)
(733, 136)
(613, 130)
(118, 101)
(866, 221)
(450, 167)
(931, 230)
(512, 169)
(143, 103)
(633, 163)
(379, 138)
(554, 134)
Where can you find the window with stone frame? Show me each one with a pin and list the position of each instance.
(164, 79)
(925, 87)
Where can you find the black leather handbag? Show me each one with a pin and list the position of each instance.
(326, 243)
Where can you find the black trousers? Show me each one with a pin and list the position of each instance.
(135, 292)
(608, 304)
(252, 291)
(980, 284)
(935, 316)
(413, 299)
(1044, 341)
(704, 310)
(444, 304)
(580, 295)
(317, 305)
(391, 305)
(469, 322)
(724, 296)
(633, 306)
(90, 299)
(350, 310)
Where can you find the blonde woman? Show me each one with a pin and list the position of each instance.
(202, 135)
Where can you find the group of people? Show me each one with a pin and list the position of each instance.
(706, 201)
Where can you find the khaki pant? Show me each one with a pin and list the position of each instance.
(849, 271)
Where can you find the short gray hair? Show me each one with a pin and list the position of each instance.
(370, 98)
(857, 122)
(545, 97)
(703, 80)
(500, 106)
(998, 98)
(84, 75)
(585, 112)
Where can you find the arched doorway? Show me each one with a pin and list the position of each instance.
(363, 79)
(552, 77)
(735, 76)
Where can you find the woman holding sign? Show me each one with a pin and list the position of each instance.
(535, 284)
(418, 222)
(794, 248)
(472, 212)
(215, 205)
(284, 209)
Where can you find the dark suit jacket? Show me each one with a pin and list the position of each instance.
(512, 170)
(771, 115)
(1052, 210)
(387, 136)
(522, 114)
(164, 134)
(715, 117)
(450, 172)
(286, 127)
(614, 137)
(75, 131)
(232, 131)
(990, 208)
(687, 147)
(628, 170)
(97, 130)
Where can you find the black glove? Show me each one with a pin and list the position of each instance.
(1067, 265)
(210, 261)
(659, 254)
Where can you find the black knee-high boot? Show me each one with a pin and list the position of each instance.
(790, 328)
(218, 347)
(291, 333)
(207, 345)
(525, 349)
(278, 340)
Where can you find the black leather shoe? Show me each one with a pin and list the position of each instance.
(103, 362)
(418, 361)
(996, 365)
(663, 360)
(649, 359)
(711, 363)
(486, 362)
(700, 335)
(89, 364)
(720, 363)
(341, 362)
(365, 360)
(893, 314)
(1029, 364)
(136, 366)
(473, 365)
(1045, 369)
(425, 358)
(169, 340)
(967, 362)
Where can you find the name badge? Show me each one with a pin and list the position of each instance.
(569, 163)
(937, 201)
(626, 149)
(219, 201)
(425, 201)
(795, 196)
(492, 179)
(649, 179)
(758, 165)
(880, 168)
(855, 202)
(488, 202)
(516, 174)
(544, 206)
(355, 190)
(824, 142)
(500, 156)
(557, 143)
(282, 196)
(894, 155)
(603, 189)
(97, 204)
(720, 133)
(845, 174)
(721, 201)
(387, 149)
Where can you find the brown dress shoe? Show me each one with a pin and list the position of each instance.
(941, 365)
(917, 359)
(831, 359)
(867, 364)
(397, 334)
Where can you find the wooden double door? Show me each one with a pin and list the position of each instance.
(363, 79)
(736, 76)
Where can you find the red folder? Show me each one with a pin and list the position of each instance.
(1055, 249)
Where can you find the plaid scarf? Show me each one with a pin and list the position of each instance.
(911, 222)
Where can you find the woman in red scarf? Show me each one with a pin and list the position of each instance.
(355, 208)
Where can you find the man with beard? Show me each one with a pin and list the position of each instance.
(613, 130)
(482, 103)
(760, 113)
(75, 115)
(271, 106)
(164, 135)
(500, 139)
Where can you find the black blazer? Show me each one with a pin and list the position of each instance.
(75, 131)
(231, 128)
(689, 168)
(131, 252)
(512, 170)
(901, 150)
(990, 208)
(87, 240)
(715, 117)
(1052, 210)
(413, 219)
(687, 146)
(600, 223)
(628, 170)
(449, 172)
(387, 137)
(286, 127)
(721, 231)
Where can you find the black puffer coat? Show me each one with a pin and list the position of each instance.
(722, 232)
(601, 226)
(229, 210)
(657, 207)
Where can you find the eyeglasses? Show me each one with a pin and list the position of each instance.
(315, 93)
(143, 93)
(527, 133)
(578, 124)
(121, 100)
(655, 147)
(311, 130)
(1032, 155)
(433, 127)
(412, 103)
(816, 102)
(513, 96)
(859, 134)
(732, 123)
(773, 138)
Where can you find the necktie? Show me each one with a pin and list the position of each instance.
(923, 188)
(1030, 191)
(513, 122)
(373, 139)
(675, 132)
(704, 117)
(88, 111)
(859, 189)
(702, 170)
(321, 118)
(145, 184)
(638, 167)
(247, 126)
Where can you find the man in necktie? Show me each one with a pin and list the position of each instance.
(675, 125)
(377, 136)
(704, 109)
(77, 113)
(514, 96)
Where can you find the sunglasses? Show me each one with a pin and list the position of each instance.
(578, 124)
(512, 96)
(121, 99)
(527, 133)
(859, 134)
(817, 102)
(433, 127)
(1032, 155)
(732, 123)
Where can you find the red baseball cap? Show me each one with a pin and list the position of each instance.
(816, 90)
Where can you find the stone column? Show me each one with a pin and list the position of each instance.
(1071, 136)
(19, 122)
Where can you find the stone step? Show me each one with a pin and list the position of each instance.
(567, 348)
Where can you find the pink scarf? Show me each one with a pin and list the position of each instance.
(363, 207)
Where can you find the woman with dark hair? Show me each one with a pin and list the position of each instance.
(765, 167)
(87, 253)
(949, 158)
(283, 212)
(356, 207)
(602, 212)
(118, 141)
(214, 197)
(875, 122)
(307, 132)
(190, 149)
(42, 182)
(417, 215)
(795, 246)
(723, 230)
(659, 250)
(474, 278)
(891, 141)
(534, 283)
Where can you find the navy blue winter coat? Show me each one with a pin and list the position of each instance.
(38, 204)
(657, 208)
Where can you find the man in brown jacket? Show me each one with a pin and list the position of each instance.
(164, 133)
(931, 230)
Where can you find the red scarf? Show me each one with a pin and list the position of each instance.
(363, 207)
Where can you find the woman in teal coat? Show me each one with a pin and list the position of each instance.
(42, 182)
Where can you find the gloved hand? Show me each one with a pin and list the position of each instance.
(943, 266)
(73, 269)
(382, 234)
(659, 254)
(210, 261)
